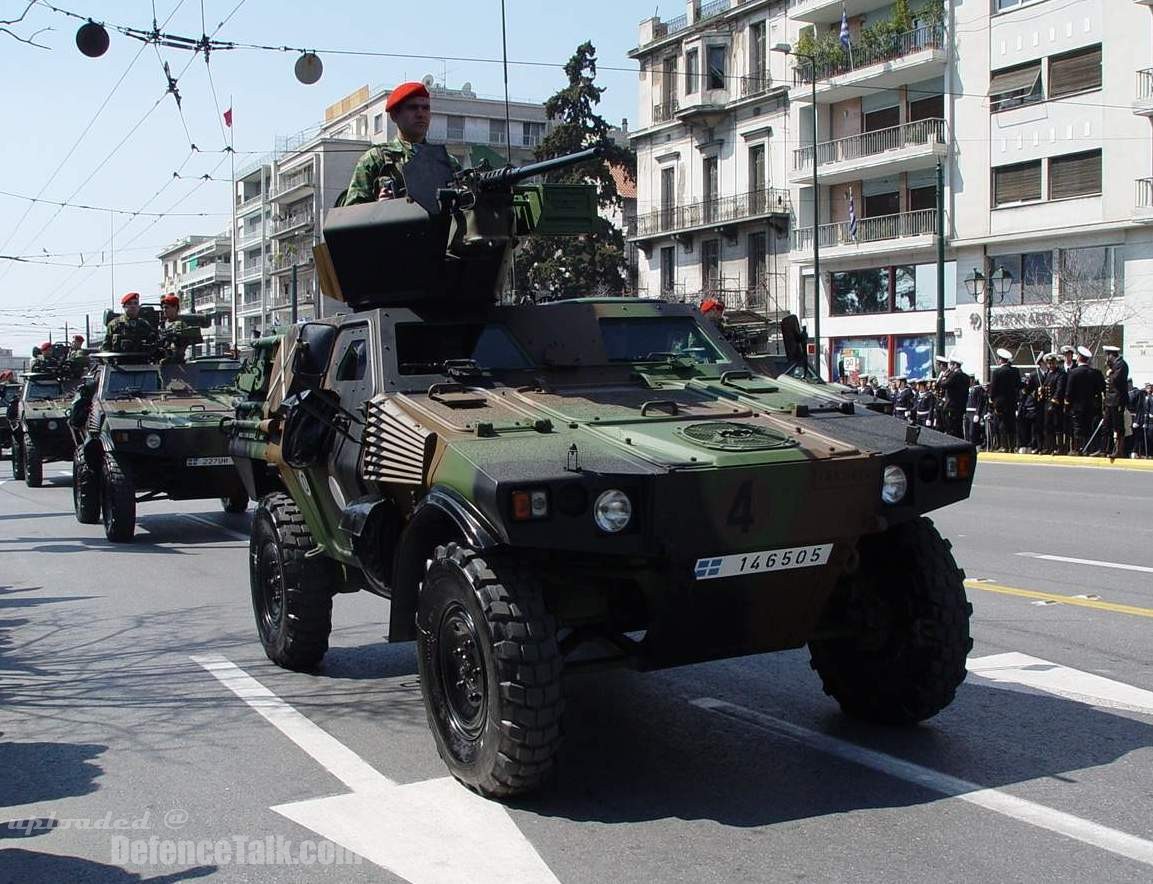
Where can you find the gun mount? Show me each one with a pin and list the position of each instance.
(451, 238)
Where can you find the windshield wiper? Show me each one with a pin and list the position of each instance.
(129, 393)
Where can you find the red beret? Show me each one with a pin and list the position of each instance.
(403, 93)
(79, 338)
(131, 296)
(710, 304)
(170, 299)
(47, 345)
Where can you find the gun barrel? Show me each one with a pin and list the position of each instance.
(513, 174)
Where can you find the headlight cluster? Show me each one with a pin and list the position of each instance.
(152, 440)
(52, 425)
(613, 511)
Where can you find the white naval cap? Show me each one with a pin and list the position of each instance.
(1004, 354)
(1085, 351)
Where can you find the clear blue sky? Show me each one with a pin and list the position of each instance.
(50, 95)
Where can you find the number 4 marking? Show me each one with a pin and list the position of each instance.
(741, 511)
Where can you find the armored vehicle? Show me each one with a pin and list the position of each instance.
(39, 427)
(540, 488)
(152, 431)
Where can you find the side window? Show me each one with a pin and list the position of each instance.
(354, 361)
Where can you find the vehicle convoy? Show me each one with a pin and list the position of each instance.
(152, 431)
(39, 422)
(541, 488)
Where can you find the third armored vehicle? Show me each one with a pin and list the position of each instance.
(544, 487)
(40, 428)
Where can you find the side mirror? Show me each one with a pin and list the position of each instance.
(302, 359)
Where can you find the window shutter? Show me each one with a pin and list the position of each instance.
(1077, 174)
(1014, 85)
(1016, 184)
(1076, 72)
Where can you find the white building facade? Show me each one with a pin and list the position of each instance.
(199, 270)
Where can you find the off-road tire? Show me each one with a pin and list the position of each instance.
(237, 503)
(85, 490)
(291, 593)
(17, 459)
(909, 658)
(488, 619)
(117, 501)
(33, 463)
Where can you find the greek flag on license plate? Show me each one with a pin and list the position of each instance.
(760, 562)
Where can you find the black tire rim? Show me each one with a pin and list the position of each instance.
(461, 669)
(270, 589)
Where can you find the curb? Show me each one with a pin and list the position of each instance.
(1065, 461)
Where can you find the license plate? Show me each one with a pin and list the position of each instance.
(761, 562)
(208, 461)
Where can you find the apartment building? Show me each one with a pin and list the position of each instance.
(8, 362)
(713, 205)
(199, 270)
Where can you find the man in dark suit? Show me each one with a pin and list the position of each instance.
(1053, 414)
(1116, 398)
(1004, 390)
(1083, 389)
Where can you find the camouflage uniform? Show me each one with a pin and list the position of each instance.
(379, 166)
(39, 363)
(176, 337)
(125, 335)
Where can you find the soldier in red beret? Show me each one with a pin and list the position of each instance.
(130, 332)
(377, 174)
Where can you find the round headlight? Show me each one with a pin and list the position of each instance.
(152, 440)
(894, 485)
(612, 511)
(52, 425)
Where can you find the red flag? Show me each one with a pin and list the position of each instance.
(228, 118)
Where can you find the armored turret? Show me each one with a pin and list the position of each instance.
(450, 238)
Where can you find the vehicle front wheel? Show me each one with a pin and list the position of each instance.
(908, 658)
(236, 503)
(291, 592)
(85, 490)
(17, 460)
(490, 672)
(33, 463)
(117, 501)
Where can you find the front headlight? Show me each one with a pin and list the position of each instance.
(894, 485)
(52, 425)
(612, 511)
(152, 440)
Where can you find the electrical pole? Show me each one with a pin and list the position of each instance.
(940, 258)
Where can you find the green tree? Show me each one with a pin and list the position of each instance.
(554, 267)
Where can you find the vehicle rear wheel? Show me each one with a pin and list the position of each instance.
(291, 593)
(490, 672)
(907, 661)
(236, 503)
(17, 459)
(33, 463)
(117, 501)
(85, 490)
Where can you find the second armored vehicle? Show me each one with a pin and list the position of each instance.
(39, 430)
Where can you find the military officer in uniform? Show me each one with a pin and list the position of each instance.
(903, 398)
(42, 357)
(1004, 390)
(176, 335)
(130, 332)
(954, 389)
(976, 407)
(1053, 393)
(1116, 398)
(377, 174)
(925, 405)
(1083, 389)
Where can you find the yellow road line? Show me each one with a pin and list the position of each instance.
(1112, 607)
(1064, 461)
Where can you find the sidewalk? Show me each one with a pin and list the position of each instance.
(1065, 461)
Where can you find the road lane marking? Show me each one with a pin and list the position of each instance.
(402, 828)
(1077, 601)
(211, 524)
(1014, 669)
(1020, 809)
(1144, 569)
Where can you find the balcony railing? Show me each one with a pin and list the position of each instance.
(287, 184)
(282, 224)
(665, 111)
(1144, 198)
(724, 210)
(248, 235)
(897, 46)
(884, 227)
(251, 270)
(868, 144)
(248, 203)
(285, 261)
(1145, 85)
(756, 84)
(712, 8)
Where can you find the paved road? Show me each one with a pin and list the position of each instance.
(133, 693)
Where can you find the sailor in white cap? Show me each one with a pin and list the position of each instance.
(903, 398)
(1083, 390)
(976, 407)
(953, 390)
(1004, 390)
(1070, 355)
(1116, 398)
(1051, 406)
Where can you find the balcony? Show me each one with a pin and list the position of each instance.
(246, 206)
(213, 304)
(904, 59)
(247, 236)
(883, 234)
(1143, 103)
(1143, 203)
(757, 83)
(251, 270)
(299, 222)
(284, 262)
(665, 112)
(249, 308)
(891, 151)
(712, 213)
(828, 11)
(209, 273)
(292, 186)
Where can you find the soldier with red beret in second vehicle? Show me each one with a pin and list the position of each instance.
(377, 175)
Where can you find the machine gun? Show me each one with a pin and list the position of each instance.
(450, 238)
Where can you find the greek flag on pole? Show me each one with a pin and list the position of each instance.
(852, 216)
(845, 28)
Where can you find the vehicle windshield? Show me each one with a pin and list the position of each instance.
(44, 390)
(424, 348)
(656, 338)
(170, 380)
(204, 378)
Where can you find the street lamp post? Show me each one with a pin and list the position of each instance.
(979, 286)
(786, 49)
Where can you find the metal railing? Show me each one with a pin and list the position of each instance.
(712, 8)
(755, 84)
(248, 203)
(282, 224)
(215, 272)
(251, 270)
(285, 261)
(248, 235)
(898, 46)
(1144, 197)
(1145, 85)
(879, 229)
(723, 210)
(287, 184)
(867, 144)
(665, 111)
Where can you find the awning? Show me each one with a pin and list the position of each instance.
(1022, 80)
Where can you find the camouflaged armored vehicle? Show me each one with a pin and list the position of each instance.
(152, 431)
(39, 427)
(546, 488)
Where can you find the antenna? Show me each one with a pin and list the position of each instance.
(507, 118)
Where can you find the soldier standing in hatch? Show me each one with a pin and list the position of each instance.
(130, 332)
(42, 357)
(1116, 398)
(377, 173)
(176, 335)
(1004, 390)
